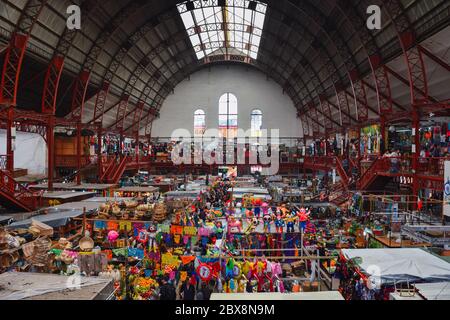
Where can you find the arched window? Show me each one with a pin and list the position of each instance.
(199, 122)
(228, 115)
(256, 122)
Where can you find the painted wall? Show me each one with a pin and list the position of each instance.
(30, 153)
(204, 88)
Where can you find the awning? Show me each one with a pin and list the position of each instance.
(400, 265)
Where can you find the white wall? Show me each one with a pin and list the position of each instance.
(204, 88)
(30, 152)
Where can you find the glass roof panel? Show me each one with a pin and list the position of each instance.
(216, 29)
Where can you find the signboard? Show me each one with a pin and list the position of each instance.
(447, 189)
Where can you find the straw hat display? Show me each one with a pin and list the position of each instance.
(160, 212)
(131, 204)
(86, 244)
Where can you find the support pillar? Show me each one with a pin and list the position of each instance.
(10, 135)
(358, 150)
(99, 151)
(50, 150)
(79, 153)
(416, 152)
(137, 149)
(383, 134)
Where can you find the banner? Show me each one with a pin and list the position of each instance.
(447, 189)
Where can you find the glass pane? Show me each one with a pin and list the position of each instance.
(242, 21)
(233, 121)
(223, 120)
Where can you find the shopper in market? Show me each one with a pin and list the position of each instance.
(167, 290)
(187, 291)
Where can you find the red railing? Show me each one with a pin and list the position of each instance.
(18, 192)
(403, 166)
(119, 170)
(109, 165)
(71, 161)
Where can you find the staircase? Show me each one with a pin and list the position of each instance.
(115, 170)
(15, 196)
(340, 170)
(369, 176)
(325, 164)
(339, 194)
(110, 164)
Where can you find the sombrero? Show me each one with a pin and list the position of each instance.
(86, 244)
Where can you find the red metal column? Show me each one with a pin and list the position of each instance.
(416, 128)
(359, 91)
(326, 110)
(9, 137)
(51, 84)
(79, 152)
(382, 86)
(79, 95)
(343, 103)
(50, 150)
(358, 150)
(100, 103)
(11, 69)
(136, 126)
(121, 112)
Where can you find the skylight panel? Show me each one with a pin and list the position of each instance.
(237, 25)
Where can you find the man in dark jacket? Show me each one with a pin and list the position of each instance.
(167, 291)
(188, 291)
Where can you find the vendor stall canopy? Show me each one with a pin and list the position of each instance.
(139, 50)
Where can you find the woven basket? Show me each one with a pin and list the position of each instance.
(160, 212)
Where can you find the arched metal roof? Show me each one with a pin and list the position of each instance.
(320, 52)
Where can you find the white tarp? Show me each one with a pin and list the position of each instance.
(400, 264)
(30, 152)
(22, 285)
(434, 291)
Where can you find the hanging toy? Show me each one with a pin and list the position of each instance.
(267, 221)
(290, 222)
(113, 236)
(234, 226)
(253, 224)
(142, 236)
(237, 273)
(257, 206)
(229, 269)
(279, 224)
(303, 218)
(204, 272)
